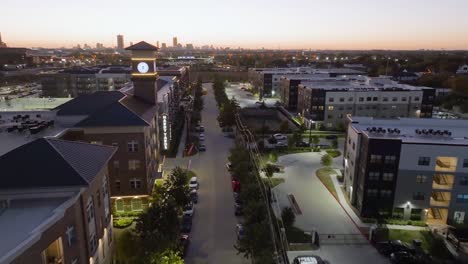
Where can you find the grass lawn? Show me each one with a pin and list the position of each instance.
(274, 181)
(324, 176)
(297, 235)
(430, 244)
(333, 153)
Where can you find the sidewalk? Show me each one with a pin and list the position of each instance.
(181, 149)
(350, 212)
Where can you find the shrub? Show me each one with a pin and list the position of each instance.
(122, 222)
(333, 153)
(326, 160)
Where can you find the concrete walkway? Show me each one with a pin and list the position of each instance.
(350, 212)
(180, 150)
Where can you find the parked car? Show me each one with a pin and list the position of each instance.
(194, 196)
(280, 137)
(311, 259)
(201, 147)
(189, 209)
(229, 166)
(184, 242)
(402, 257)
(227, 129)
(237, 198)
(388, 247)
(238, 209)
(240, 231)
(201, 137)
(302, 144)
(186, 224)
(281, 145)
(331, 137)
(193, 184)
(235, 185)
(200, 128)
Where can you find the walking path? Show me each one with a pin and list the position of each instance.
(180, 150)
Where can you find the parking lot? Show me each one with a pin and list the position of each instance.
(245, 98)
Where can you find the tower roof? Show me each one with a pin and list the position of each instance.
(142, 45)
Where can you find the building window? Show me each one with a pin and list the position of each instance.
(117, 185)
(465, 163)
(388, 176)
(368, 99)
(375, 158)
(372, 192)
(354, 146)
(96, 142)
(92, 243)
(71, 235)
(135, 183)
(390, 159)
(462, 198)
(331, 99)
(375, 98)
(385, 99)
(394, 99)
(418, 196)
(133, 164)
(98, 198)
(424, 161)
(398, 212)
(416, 99)
(403, 99)
(374, 176)
(415, 214)
(320, 107)
(115, 144)
(132, 146)
(330, 116)
(116, 164)
(421, 178)
(331, 107)
(341, 99)
(137, 204)
(350, 99)
(361, 99)
(385, 193)
(314, 107)
(464, 180)
(90, 209)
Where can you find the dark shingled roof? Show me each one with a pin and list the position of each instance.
(142, 45)
(49, 162)
(90, 103)
(115, 114)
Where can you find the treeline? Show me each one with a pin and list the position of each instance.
(227, 107)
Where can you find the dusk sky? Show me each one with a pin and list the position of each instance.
(327, 24)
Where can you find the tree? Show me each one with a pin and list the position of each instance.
(288, 216)
(176, 186)
(314, 140)
(334, 143)
(269, 170)
(284, 127)
(127, 249)
(326, 160)
(296, 137)
(158, 227)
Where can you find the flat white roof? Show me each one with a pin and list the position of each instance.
(359, 83)
(458, 129)
(31, 104)
(23, 221)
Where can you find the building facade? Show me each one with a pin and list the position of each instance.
(328, 102)
(62, 216)
(408, 168)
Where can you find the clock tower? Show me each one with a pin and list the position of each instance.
(144, 73)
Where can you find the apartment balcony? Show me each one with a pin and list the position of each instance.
(448, 164)
(443, 182)
(440, 199)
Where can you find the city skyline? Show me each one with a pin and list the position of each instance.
(299, 24)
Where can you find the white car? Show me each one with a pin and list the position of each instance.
(193, 184)
(189, 209)
(280, 137)
(201, 137)
(229, 166)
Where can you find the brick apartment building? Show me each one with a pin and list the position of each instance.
(54, 203)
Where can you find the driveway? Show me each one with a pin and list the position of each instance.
(320, 210)
(213, 231)
(246, 99)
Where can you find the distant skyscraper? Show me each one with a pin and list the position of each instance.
(2, 44)
(163, 45)
(120, 42)
(157, 44)
(174, 41)
(131, 43)
(189, 46)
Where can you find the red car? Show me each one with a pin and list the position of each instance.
(235, 185)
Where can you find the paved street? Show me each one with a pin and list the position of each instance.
(213, 232)
(320, 210)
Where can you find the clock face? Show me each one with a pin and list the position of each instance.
(142, 67)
